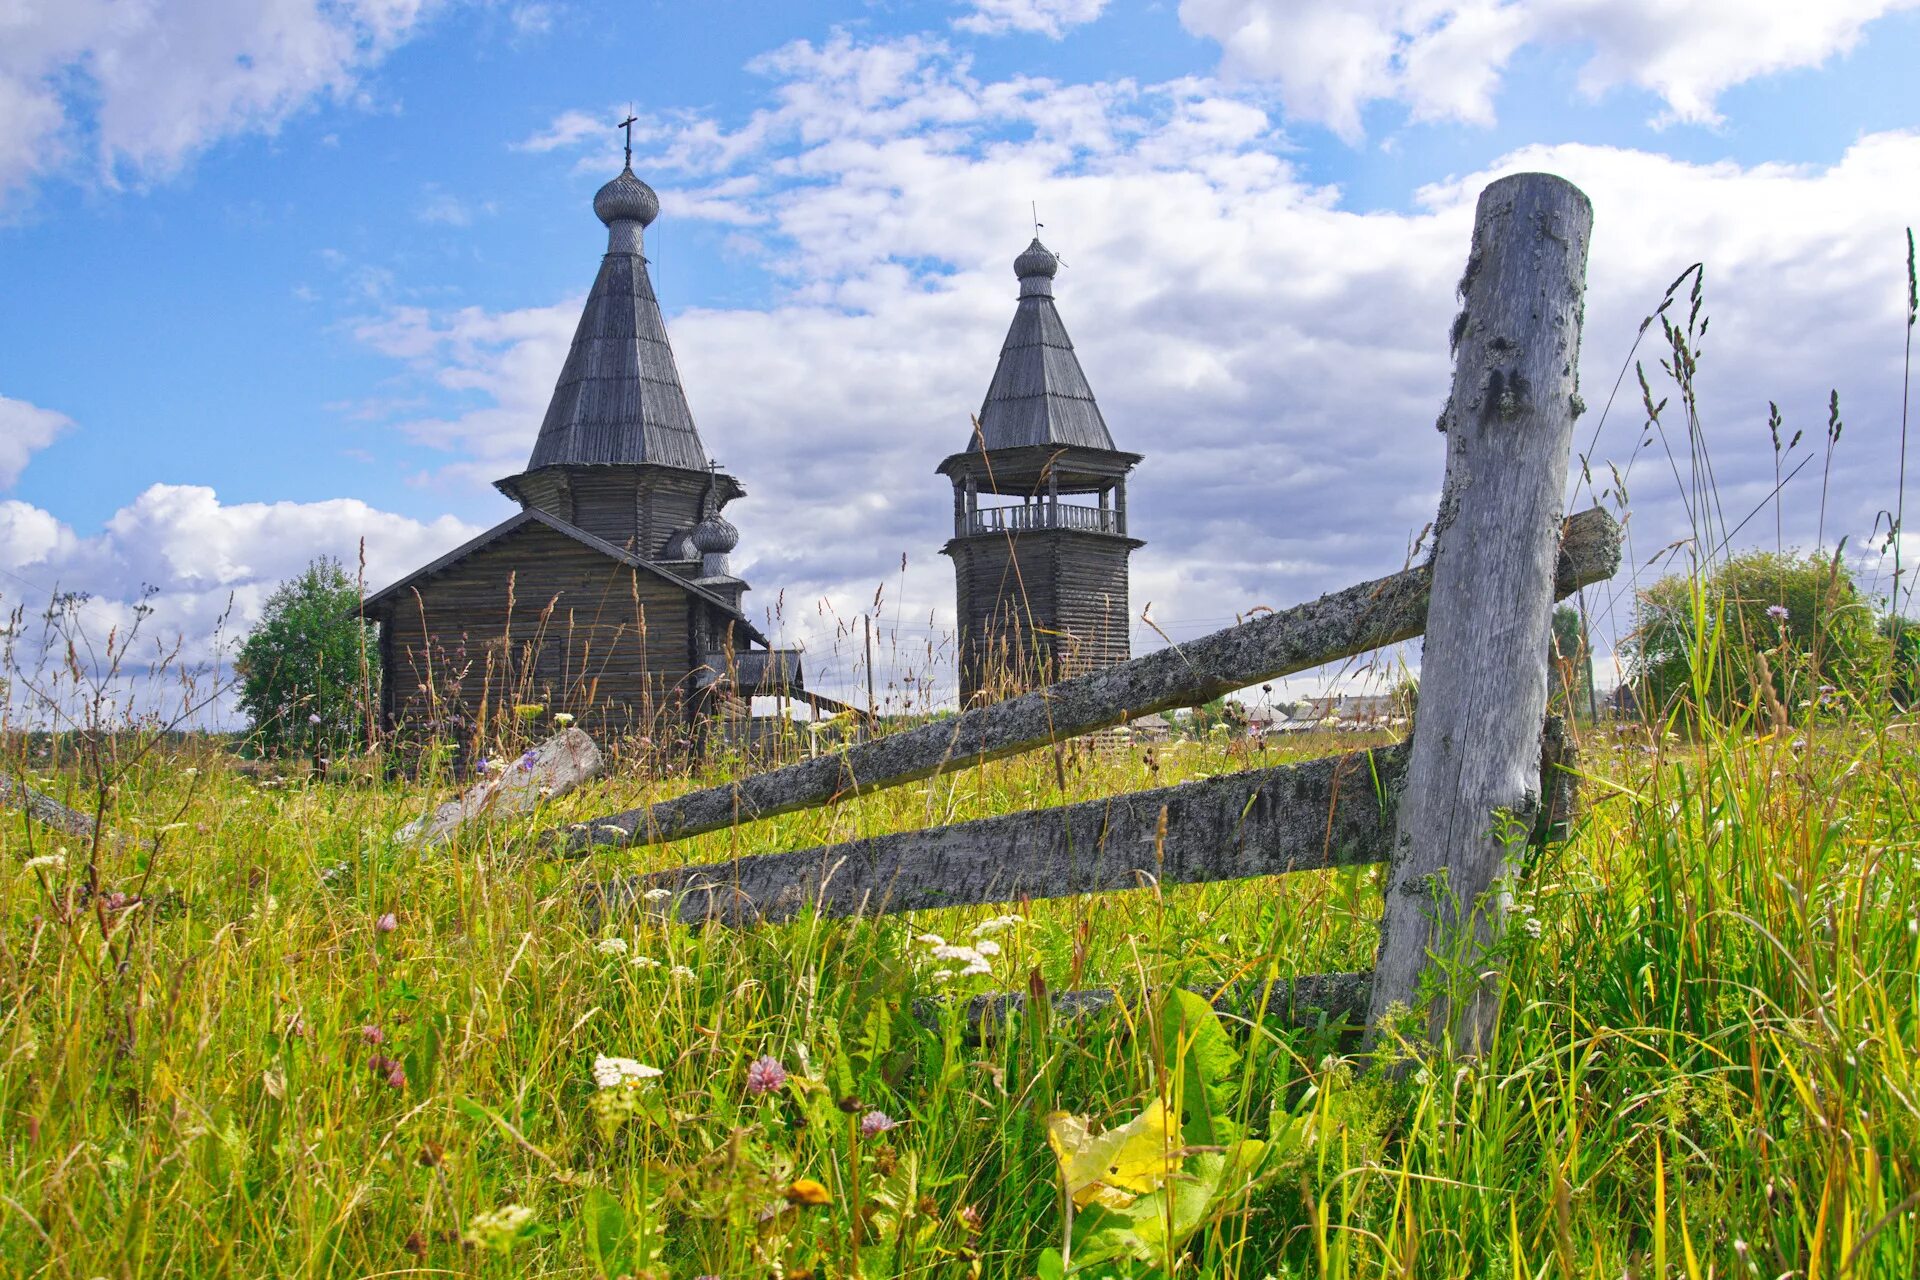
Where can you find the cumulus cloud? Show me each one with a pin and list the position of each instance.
(193, 571)
(1050, 18)
(144, 86)
(25, 429)
(1444, 58)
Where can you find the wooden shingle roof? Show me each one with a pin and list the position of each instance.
(619, 398)
(381, 600)
(1039, 394)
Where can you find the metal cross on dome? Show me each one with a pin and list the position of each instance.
(628, 124)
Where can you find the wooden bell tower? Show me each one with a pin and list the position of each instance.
(1040, 540)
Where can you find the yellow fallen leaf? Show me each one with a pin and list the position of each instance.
(1114, 1168)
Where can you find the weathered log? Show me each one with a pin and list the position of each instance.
(1305, 1001)
(1473, 777)
(1332, 811)
(1336, 626)
(15, 794)
(547, 772)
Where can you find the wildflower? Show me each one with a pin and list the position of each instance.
(682, 973)
(482, 765)
(1778, 612)
(190, 772)
(996, 924)
(372, 1034)
(563, 718)
(644, 962)
(765, 1075)
(314, 718)
(48, 862)
(987, 947)
(970, 1219)
(972, 960)
(655, 895)
(619, 1073)
(397, 1077)
(875, 1123)
(805, 1191)
(386, 923)
(611, 946)
(496, 1230)
(931, 939)
(527, 761)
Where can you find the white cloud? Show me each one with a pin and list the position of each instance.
(443, 208)
(1444, 58)
(25, 429)
(567, 129)
(1050, 18)
(1278, 357)
(193, 571)
(145, 85)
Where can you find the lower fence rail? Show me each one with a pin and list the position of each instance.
(1334, 1000)
(1331, 811)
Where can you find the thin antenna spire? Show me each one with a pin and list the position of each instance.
(628, 124)
(1037, 224)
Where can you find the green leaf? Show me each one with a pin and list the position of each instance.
(1200, 1062)
(605, 1219)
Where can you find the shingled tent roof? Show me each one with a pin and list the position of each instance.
(619, 398)
(1039, 396)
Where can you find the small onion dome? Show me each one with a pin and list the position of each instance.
(1038, 260)
(680, 547)
(715, 535)
(626, 199)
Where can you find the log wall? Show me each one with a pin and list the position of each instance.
(585, 634)
(1037, 607)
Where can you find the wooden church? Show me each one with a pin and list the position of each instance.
(1040, 545)
(609, 595)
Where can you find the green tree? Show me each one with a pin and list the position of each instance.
(1569, 664)
(1795, 621)
(301, 667)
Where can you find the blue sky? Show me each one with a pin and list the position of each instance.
(274, 277)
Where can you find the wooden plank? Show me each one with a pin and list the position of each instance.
(1333, 811)
(1473, 776)
(1341, 625)
(1306, 1001)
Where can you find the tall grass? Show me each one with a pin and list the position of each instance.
(1706, 1060)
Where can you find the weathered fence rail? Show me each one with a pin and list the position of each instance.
(1452, 810)
(1342, 625)
(1327, 812)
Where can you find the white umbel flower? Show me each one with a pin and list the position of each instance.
(619, 1073)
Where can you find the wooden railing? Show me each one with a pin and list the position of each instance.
(1451, 810)
(1043, 515)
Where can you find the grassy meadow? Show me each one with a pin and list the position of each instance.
(283, 1045)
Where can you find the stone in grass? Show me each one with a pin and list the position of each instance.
(513, 786)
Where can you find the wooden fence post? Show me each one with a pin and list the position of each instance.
(1473, 773)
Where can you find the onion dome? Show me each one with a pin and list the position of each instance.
(627, 199)
(1037, 260)
(680, 547)
(715, 535)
